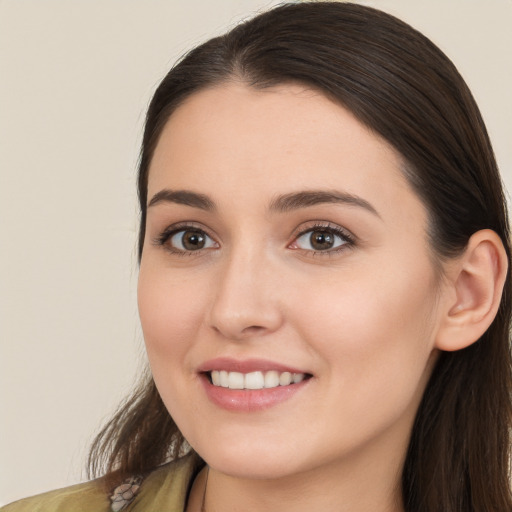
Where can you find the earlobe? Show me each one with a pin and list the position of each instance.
(476, 279)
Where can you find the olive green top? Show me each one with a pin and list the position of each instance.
(165, 489)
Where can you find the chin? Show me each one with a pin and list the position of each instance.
(251, 469)
(252, 462)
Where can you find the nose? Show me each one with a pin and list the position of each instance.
(245, 302)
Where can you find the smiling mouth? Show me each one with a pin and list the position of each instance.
(254, 380)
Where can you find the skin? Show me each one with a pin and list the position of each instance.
(361, 318)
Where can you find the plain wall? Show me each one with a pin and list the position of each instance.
(75, 80)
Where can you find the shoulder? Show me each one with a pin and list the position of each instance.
(88, 497)
(167, 485)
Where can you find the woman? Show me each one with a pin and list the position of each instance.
(323, 282)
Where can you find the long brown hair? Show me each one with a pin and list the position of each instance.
(399, 84)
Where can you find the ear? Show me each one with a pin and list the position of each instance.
(475, 283)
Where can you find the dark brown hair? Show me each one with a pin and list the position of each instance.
(399, 84)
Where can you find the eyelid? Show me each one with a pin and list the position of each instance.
(336, 229)
(169, 231)
(304, 228)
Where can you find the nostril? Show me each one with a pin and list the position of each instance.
(253, 329)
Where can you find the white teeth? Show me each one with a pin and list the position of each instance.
(224, 379)
(236, 380)
(272, 379)
(285, 379)
(216, 377)
(298, 377)
(254, 380)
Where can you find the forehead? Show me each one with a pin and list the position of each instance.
(236, 140)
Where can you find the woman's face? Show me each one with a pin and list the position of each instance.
(282, 239)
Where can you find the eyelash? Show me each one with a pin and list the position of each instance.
(326, 227)
(163, 238)
(333, 229)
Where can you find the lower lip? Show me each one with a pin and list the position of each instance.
(250, 400)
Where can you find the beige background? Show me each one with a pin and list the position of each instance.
(75, 79)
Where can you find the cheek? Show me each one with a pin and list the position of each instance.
(170, 313)
(370, 310)
(374, 334)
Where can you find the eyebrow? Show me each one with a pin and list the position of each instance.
(305, 199)
(185, 197)
(281, 204)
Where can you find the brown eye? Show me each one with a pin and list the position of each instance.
(321, 239)
(193, 240)
(190, 240)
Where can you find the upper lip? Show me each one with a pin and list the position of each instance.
(245, 366)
